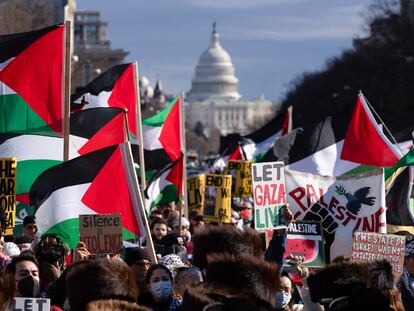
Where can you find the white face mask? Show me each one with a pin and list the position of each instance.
(161, 289)
(282, 299)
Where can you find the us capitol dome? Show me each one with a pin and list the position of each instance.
(214, 74)
(214, 100)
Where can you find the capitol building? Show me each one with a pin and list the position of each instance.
(214, 99)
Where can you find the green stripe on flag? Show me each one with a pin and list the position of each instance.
(360, 169)
(18, 117)
(159, 118)
(406, 160)
(27, 172)
(167, 195)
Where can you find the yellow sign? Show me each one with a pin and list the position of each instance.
(217, 198)
(241, 172)
(8, 193)
(195, 192)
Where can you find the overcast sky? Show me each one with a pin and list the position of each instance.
(271, 42)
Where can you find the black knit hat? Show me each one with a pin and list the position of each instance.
(133, 254)
(29, 220)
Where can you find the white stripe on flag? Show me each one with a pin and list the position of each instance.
(61, 205)
(94, 101)
(325, 162)
(151, 137)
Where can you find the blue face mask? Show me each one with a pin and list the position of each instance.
(282, 299)
(161, 289)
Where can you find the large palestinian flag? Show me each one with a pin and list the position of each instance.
(348, 142)
(99, 182)
(255, 145)
(166, 185)
(32, 81)
(114, 88)
(91, 130)
(162, 138)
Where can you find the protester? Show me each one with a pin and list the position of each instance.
(6, 290)
(186, 277)
(25, 272)
(196, 220)
(184, 232)
(158, 230)
(29, 230)
(97, 279)
(406, 284)
(159, 281)
(172, 262)
(50, 253)
(138, 260)
(284, 296)
(113, 304)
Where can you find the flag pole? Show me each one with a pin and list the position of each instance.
(67, 87)
(139, 131)
(138, 202)
(184, 151)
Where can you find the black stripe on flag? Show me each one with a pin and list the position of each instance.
(88, 122)
(103, 82)
(13, 44)
(78, 171)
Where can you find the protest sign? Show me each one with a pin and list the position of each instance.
(195, 192)
(8, 193)
(342, 204)
(102, 234)
(269, 195)
(304, 239)
(241, 172)
(31, 304)
(369, 246)
(217, 198)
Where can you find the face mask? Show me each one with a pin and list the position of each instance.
(282, 299)
(28, 287)
(161, 289)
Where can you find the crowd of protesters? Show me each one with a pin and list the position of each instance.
(200, 266)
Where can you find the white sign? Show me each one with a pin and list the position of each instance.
(269, 195)
(31, 304)
(343, 205)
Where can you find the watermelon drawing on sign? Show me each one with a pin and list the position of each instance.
(301, 247)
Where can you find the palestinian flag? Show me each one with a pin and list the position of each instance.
(99, 182)
(32, 81)
(166, 185)
(91, 130)
(348, 142)
(255, 145)
(114, 88)
(161, 135)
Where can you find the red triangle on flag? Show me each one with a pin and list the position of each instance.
(109, 193)
(111, 134)
(170, 136)
(36, 74)
(124, 96)
(237, 154)
(364, 142)
(175, 176)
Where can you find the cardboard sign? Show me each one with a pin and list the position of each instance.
(31, 304)
(102, 234)
(217, 198)
(195, 192)
(241, 178)
(269, 195)
(304, 239)
(8, 193)
(370, 246)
